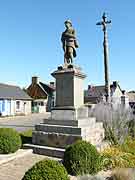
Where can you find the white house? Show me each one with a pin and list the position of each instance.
(95, 94)
(42, 95)
(14, 101)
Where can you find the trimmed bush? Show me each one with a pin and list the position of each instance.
(46, 170)
(81, 158)
(10, 140)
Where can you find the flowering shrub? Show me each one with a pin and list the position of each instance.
(128, 145)
(115, 157)
(116, 121)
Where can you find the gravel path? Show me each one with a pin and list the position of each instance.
(22, 123)
(15, 170)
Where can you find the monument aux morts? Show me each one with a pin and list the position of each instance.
(70, 119)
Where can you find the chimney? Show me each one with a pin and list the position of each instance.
(35, 80)
(52, 84)
(89, 87)
(123, 92)
(115, 84)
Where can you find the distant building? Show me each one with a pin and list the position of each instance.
(42, 95)
(14, 101)
(131, 96)
(96, 94)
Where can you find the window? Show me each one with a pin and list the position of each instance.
(35, 103)
(42, 103)
(17, 104)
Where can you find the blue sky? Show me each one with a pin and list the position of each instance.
(30, 44)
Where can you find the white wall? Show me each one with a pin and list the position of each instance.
(27, 107)
(10, 107)
(42, 108)
(116, 97)
(24, 107)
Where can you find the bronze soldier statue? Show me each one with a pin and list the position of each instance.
(69, 42)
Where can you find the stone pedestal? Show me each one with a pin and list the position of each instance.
(69, 88)
(70, 119)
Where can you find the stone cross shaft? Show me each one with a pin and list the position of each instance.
(104, 23)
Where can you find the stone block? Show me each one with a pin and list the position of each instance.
(64, 114)
(49, 151)
(46, 150)
(78, 123)
(82, 112)
(58, 129)
(54, 139)
(69, 87)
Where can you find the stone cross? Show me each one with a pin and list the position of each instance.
(104, 23)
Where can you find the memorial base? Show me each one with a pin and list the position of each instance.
(59, 132)
(69, 120)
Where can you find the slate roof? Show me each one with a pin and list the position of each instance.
(13, 92)
(96, 91)
(99, 91)
(47, 88)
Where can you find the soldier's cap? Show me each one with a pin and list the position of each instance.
(68, 21)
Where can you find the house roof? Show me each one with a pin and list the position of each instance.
(47, 88)
(40, 90)
(95, 91)
(98, 91)
(13, 92)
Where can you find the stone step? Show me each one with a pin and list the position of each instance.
(46, 150)
(77, 123)
(57, 140)
(71, 130)
(58, 129)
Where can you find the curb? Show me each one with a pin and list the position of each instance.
(22, 116)
(5, 158)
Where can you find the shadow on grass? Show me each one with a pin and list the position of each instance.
(26, 137)
(26, 140)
